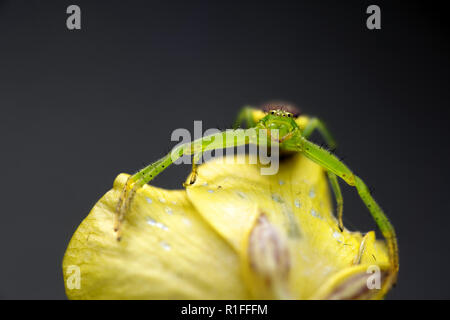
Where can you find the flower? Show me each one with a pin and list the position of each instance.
(234, 234)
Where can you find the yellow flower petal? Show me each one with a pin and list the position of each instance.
(234, 234)
(167, 251)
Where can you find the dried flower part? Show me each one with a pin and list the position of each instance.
(268, 255)
(268, 251)
(362, 282)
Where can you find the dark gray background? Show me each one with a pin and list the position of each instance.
(79, 107)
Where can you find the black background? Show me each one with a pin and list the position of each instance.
(79, 107)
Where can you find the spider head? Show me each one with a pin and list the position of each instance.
(281, 120)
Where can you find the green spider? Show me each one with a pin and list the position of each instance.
(293, 133)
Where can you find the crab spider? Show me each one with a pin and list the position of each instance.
(293, 133)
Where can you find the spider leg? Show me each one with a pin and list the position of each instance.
(311, 125)
(249, 115)
(338, 196)
(331, 163)
(124, 196)
(133, 184)
(315, 123)
(194, 172)
(221, 140)
(362, 248)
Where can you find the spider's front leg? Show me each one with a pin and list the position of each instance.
(133, 184)
(330, 162)
(221, 140)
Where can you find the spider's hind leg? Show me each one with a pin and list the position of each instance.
(249, 115)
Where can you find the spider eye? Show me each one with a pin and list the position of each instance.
(272, 112)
